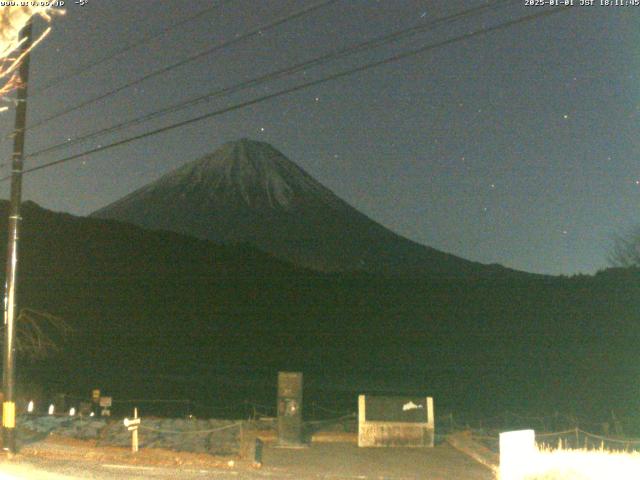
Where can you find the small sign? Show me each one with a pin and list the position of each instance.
(396, 409)
(95, 395)
(105, 402)
(128, 422)
(132, 424)
(410, 406)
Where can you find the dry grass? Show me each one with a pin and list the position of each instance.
(601, 464)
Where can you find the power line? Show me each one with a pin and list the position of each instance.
(280, 93)
(209, 51)
(126, 48)
(369, 44)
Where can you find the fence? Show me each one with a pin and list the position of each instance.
(611, 431)
(213, 436)
(216, 437)
(577, 438)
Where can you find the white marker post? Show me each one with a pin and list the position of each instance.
(132, 425)
(518, 454)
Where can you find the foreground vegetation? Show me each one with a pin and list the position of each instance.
(161, 315)
(562, 464)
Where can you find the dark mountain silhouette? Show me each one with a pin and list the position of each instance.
(158, 314)
(249, 192)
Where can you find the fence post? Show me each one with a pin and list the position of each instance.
(132, 425)
(257, 457)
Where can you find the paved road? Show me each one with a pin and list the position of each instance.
(72, 470)
(335, 461)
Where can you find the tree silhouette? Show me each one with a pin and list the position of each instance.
(626, 250)
(39, 334)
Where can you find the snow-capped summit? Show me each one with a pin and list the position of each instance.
(243, 172)
(249, 192)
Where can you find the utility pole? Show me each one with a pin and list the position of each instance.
(10, 307)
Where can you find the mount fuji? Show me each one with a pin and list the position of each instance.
(248, 192)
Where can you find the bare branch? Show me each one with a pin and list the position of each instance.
(626, 250)
(12, 20)
(36, 332)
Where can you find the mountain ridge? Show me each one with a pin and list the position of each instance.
(249, 192)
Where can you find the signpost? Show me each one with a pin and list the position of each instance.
(95, 400)
(132, 425)
(105, 404)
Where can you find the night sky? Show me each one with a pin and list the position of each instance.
(518, 147)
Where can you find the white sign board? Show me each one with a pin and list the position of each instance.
(131, 423)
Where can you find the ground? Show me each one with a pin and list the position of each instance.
(60, 458)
